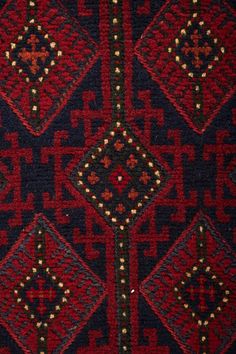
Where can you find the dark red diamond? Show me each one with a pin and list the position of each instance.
(119, 178)
(120, 185)
(188, 49)
(43, 285)
(44, 55)
(192, 288)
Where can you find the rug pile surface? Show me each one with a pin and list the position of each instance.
(117, 176)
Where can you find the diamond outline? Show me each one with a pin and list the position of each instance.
(73, 169)
(38, 219)
(163, 87)
(200, 217)
(70, 88)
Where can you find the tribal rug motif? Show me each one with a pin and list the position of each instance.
(117, 176)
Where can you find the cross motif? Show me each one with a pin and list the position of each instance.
(196, 49)
(200, 292)
(31, 57)
(41, 294)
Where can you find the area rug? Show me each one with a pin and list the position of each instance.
(117, 176)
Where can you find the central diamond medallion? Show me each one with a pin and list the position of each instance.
(119, 177)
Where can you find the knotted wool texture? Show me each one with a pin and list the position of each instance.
(117, 176)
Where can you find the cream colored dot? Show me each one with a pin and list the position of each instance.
(124, 330)
(115, 21)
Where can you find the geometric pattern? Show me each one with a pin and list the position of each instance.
(44, 55)
(190, 62)
(119, 177)
(48, 292)
(117, 126)
(192, 288)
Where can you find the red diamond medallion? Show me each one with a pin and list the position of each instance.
(44, 55)
(47, 292)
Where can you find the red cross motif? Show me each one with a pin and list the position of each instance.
(31, 57)
(41, 294)
(200, 292)
(196, 49)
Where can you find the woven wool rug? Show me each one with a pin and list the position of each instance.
(117, 176)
